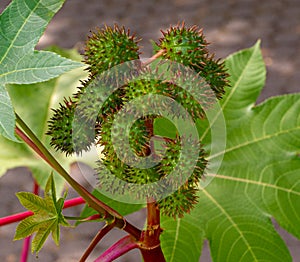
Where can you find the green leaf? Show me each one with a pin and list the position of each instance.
(258, 177)
(182, 239)
(56, 233)
(27, 227)
(22, 24)
(35, 203)
(38, 67)
(247, 77)
(237, 230)
(7, 119)
(42, 235)
(165, 128)
(47, 216)
(33, 103)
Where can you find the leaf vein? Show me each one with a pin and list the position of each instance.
(18, 32)
(232, 222)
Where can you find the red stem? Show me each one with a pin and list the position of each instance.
(93, 217)
(155, 254)
(25, 249)
(14, 218)
(118, 249)
(102, 232)
(150, 243)
(74, 202)
(30, 143)
(20, 216)
(26, 242)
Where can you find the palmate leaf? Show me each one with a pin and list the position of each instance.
(47, 216)
(33, 103)
(258, 178)
(22, 24)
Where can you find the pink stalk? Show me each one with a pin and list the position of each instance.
(26, 242)
(102, 232)
(118, 249)
(93, 217)
(74, 202)
(25, 249)
(15, 218)
(20, 216)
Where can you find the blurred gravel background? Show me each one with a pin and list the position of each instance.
(229, 25)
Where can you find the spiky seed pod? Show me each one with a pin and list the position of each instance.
(188, 46)
(96, 104)
(139, 136)
(108, 47)
(111, 172)
(111, 169)
(215, 73)
(171, 159)
(142, 87)
(145, 90)
(183, 45)
(60, 129)
(192, 91)
(185, 98)
(180, 202)
(107, 172)
(187, 186)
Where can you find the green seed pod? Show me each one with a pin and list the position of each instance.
(185, 197)
(171, 159)
(112, 169)
(60, 129)
(214, 72)
(183, 45)
(139, 136)
(108, 47)
(94, 104)
(188, 46)
(177, 93)
(180, 202)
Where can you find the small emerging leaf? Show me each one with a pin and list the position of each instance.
(47, 216)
